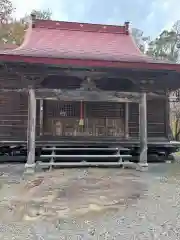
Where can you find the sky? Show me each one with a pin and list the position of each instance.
(151, 16)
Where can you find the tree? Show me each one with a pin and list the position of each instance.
(140, 40)
(175, 115)
(42, 14)
(14, 30)
(166, 46)
(6, 10)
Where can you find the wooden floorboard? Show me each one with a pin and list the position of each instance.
(63, 141)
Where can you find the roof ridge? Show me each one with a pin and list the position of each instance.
(84, 27)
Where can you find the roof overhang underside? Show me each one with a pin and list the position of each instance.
(87, 63)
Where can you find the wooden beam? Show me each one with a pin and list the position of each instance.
(143, 132)
(30, 165)
(78, 95)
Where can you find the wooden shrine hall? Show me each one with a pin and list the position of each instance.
(84, 87)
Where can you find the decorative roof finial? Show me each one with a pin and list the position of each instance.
(33, 19)
(126, 24)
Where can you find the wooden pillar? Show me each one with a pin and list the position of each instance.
(168, 117)
(30, 165)
(126, 127)
(143, 131)
(28, 126)
(41, 117)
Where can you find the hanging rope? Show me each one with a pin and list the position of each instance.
(81, 121)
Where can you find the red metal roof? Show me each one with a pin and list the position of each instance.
(56, 42)
(79, 41)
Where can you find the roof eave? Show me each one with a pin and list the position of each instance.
(89, 63)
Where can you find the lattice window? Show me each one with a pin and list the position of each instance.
(67, 110)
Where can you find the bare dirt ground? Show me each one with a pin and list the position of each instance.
(90, 204)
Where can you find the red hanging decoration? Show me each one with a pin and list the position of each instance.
(81, 121)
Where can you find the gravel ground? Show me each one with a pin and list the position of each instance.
(76, 204)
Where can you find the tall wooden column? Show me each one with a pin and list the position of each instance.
(126, 127)
(28, 127)
(143, 132)
(41, 117)
(31, 146)
(168, 117)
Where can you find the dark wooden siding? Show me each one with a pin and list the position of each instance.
(104, 110)
(14, 115)
(133, 119)
(155, 117)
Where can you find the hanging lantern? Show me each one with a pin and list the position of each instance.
(81, 121)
